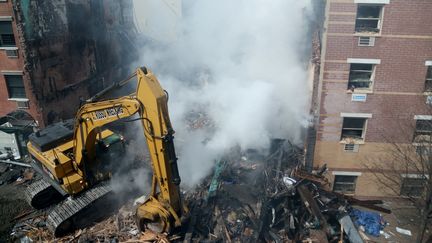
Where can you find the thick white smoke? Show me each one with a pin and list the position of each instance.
(239, 63)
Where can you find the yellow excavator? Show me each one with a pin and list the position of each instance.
(75, 158)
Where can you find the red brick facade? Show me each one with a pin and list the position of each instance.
(12, 64)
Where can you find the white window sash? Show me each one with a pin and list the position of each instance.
(346, 173)
(363, 61)
(372, 1)
(422, 117)
(356, 115)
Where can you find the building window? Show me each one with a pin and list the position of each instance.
(6, 34)
(428, 83)
(423, 131)
(412, 187)
(368, 18)
(361, 76)
(353, 128)
(423, 150)
(15, 86)
(345, 184)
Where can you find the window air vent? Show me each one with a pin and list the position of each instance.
(12, 53)
(351, 147)
(366, 41)
(23, 104)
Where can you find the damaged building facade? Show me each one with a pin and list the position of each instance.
(55, 54)
(373, 88)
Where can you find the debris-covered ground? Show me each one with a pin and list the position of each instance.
(12, 183)
(249, 197)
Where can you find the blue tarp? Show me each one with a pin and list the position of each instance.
(372, 222)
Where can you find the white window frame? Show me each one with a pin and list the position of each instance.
(372, 1)
(6, 18)
(357, 115)
(380, 3)
(374, 63)
(347, 173)
(422, 117)
(363, 61)
(428, 64)
(367, 116)
(417, 139)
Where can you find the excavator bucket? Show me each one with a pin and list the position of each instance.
(157, 216)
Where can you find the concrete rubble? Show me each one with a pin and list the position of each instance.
(248, 198)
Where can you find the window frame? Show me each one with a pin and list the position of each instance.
(11, 33)
(419, 135)
(374, 63)
(337, 184)
(371, 79)
(405, 192)
(379, 19)
(362, 137)
(5, 76)
(428, 79)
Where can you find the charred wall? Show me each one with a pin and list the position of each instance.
(73, 48)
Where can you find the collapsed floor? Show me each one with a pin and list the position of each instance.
(248, 198)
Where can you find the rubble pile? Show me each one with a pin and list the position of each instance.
(248, 198)
(271, 199)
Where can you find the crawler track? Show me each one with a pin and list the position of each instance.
(76, 211)
(40, 194)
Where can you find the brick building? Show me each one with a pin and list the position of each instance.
(53, 54)
(375, 74)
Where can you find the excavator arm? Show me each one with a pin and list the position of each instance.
(163, 208)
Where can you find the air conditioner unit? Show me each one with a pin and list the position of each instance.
(351, 148)
(22, 104)
(366, 41)
(12, 53)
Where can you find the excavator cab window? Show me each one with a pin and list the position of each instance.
(110, 149)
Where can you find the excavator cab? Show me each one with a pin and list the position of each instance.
(51, 150)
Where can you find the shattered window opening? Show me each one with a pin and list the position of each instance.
(368, 18)
(360, 76)
(428, 83)
(7, 38)
(345, 184)
(412, 187)
(15, 86)
(353, 128)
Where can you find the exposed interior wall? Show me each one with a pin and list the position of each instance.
(73, 49)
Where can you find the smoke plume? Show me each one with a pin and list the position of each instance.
(235, 70)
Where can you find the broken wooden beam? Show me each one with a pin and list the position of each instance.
(312, 206)
(350, 230)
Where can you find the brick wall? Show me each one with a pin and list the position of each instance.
(13, 64)
(403, 46)
(399, 79)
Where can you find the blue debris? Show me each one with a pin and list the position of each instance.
(220, 166)
(372, 222)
